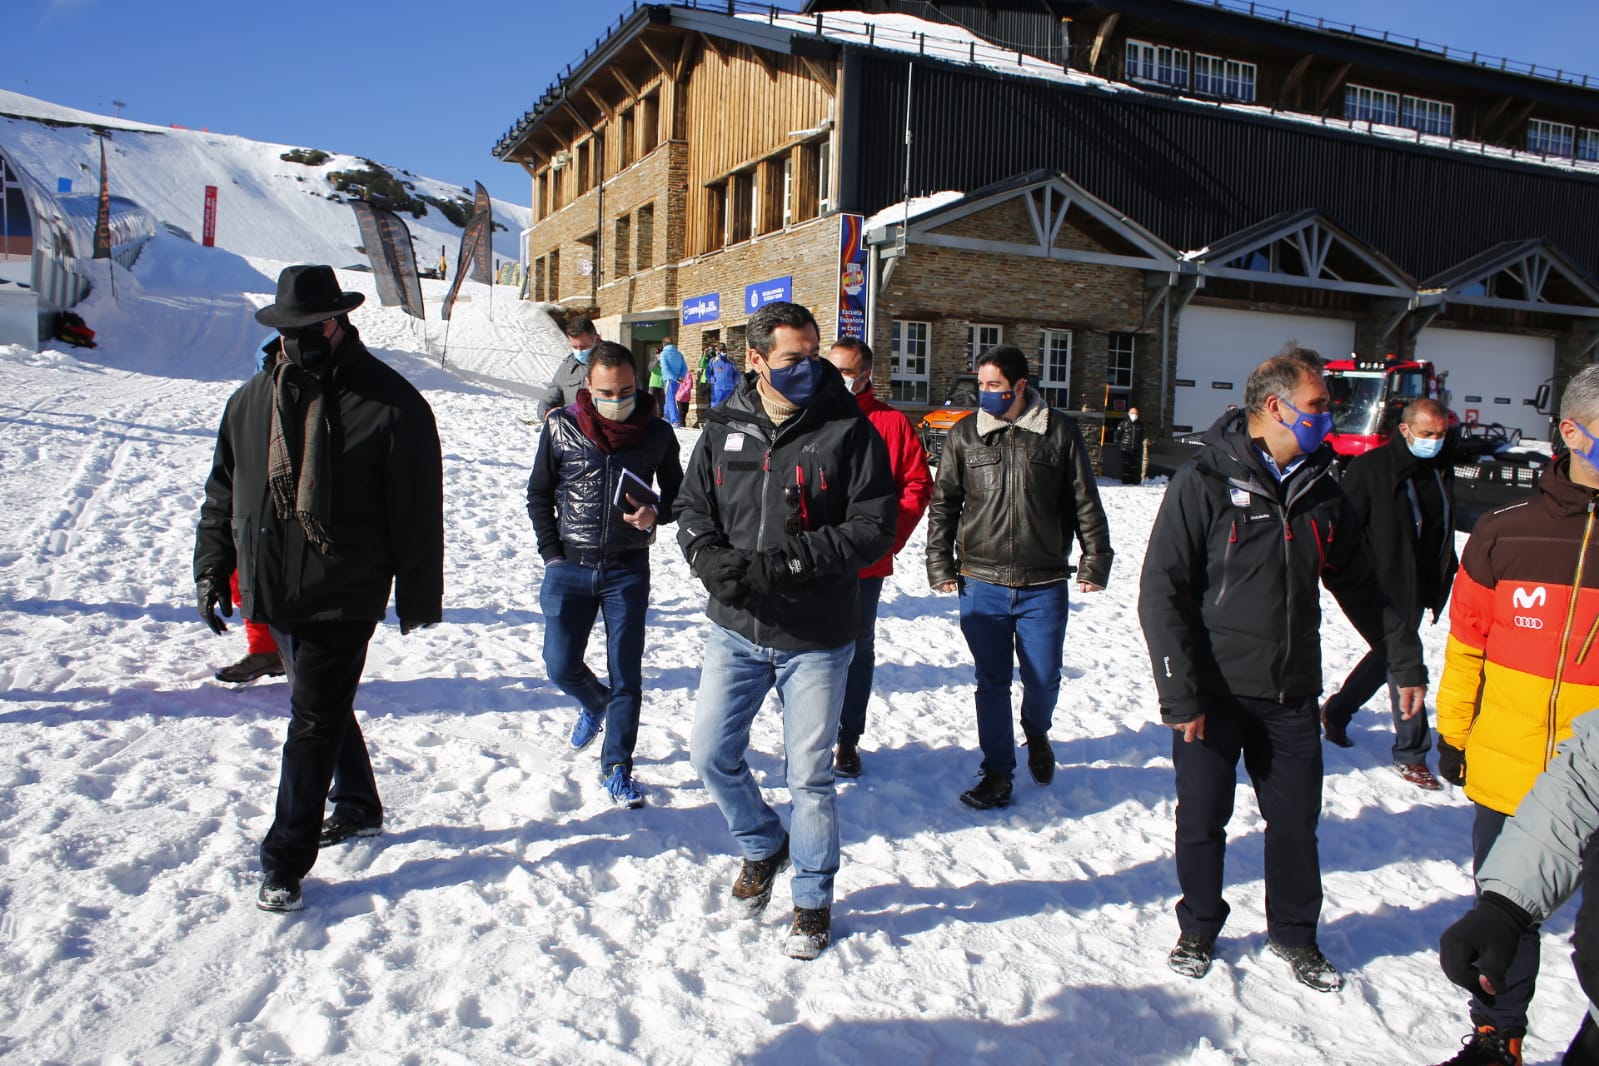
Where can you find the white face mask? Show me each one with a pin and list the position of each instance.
(617, 410)
(856, 385)
(1133, 417)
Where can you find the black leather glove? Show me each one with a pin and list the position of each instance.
(212, 593)
(1451, 763)
(786, 565)
(407, 627)
(1482, 944)
(722, 572)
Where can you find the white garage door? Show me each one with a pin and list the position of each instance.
(1217, 347)
(1492, 374)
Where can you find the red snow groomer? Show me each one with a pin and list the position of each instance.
(1368, 396)
(71, 328)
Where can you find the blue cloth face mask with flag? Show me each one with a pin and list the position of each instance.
(1309, 429)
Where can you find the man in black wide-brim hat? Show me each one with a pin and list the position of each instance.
(326, 490)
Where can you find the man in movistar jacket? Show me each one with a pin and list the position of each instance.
(1520, 664)
(1230, 607)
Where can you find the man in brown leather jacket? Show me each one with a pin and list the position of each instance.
(1015, 485)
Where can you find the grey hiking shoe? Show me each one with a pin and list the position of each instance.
(1310, 967)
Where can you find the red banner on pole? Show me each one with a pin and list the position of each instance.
(208, 233)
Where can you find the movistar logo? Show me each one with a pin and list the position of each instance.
(1528, 600)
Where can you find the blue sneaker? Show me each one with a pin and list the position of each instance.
(623, 789)
(585, 729)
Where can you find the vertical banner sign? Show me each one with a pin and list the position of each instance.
(387, 240)
(475, 250)
(852, 277)
(208, 229)
(483, 217)
(102, 217)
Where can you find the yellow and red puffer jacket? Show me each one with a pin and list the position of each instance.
(1521, 661)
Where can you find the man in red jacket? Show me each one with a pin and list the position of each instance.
(915, 487)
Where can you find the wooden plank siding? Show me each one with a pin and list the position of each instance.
(738, 110)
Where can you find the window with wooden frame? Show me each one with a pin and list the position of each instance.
(622, 248)
(773, 194)
(538, 278)
(650, 123)
(806, 162)
(740, 205)
(628, 131)
(788, 189)
(558, 178)
(644, 234)
(715, 235)
(824, 172)
(585, 170)
(553, 274)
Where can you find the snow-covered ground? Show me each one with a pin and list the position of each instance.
(509, 913)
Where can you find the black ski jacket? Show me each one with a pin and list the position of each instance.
(387, 523)
(1386, 486)
(572, 491)
(1229, 600)
(734, 496)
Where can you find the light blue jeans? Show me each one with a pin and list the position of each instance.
(810, 691)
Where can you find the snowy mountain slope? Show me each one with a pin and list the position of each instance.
(509, 914)
(266, 206)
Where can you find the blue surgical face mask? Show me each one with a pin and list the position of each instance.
(1591, 452)
(581, 354)
(996, 403)
(1423, 447)
(797, 383)
(1309, 429)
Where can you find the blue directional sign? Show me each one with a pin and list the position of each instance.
(697, 309)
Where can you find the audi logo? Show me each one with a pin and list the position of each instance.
(1527, 621)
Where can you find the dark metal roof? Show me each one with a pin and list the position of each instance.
(1508, 253)
(1193, 173)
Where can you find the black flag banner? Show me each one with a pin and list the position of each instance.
(483, 219)
(388, 246)
(477, 243)
(102, 218)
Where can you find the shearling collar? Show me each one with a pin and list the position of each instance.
(1034, 417)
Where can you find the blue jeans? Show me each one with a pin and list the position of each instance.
(1004, 626)
(570, 598)
(858, 688)
(810, 690)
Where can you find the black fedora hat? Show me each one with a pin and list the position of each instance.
(307, 295)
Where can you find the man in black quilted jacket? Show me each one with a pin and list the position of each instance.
(595, 512)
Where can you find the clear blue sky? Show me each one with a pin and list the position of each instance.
(432, 86)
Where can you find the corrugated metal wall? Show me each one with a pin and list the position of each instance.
(1193, 173)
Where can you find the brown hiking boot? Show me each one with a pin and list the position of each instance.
(256, 664)
(753, 889)
(810, 934)
(1418, 774)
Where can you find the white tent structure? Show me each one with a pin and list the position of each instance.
(46, 240)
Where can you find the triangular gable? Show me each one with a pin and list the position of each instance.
(1304, 249)
(1530, 275)
(1037, 208)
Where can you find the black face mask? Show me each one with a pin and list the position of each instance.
(306, 347)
